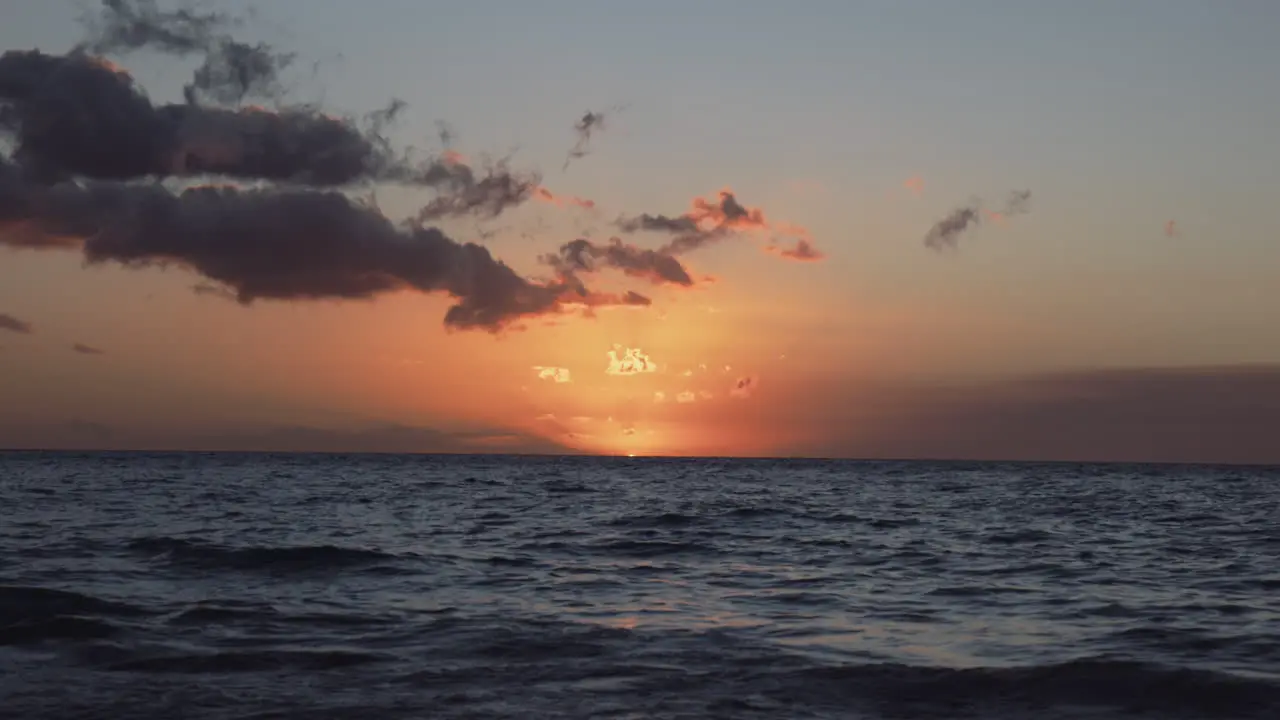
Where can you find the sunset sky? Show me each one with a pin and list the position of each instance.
(1132, 312)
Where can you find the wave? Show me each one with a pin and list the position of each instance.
(34, 631)
(31, 615)
(249, 661)
(1135, 687)
(658, 520)
(231, 612)
(303, 558)
(650, 548)
(24, 602)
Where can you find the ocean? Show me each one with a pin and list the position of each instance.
(225, 586)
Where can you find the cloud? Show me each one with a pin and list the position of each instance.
(231, 70)
(278, 244)
(915, 184)
(590, 123)
(582, 255)
(744, 387)
(86, 350)
(947, 231)
(686, 397)
(711, 221)
(13, 324)
(463, 191)
(659, 397)
(1171, 229)
(74, 115)
(801, 251)
(706, 394)
(708, 221)
(629, 361)
(544, 195)
(556, 374)
(1212, 414)
(97, 168)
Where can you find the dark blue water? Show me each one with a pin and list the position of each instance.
(241, 586)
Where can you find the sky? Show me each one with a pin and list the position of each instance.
(1125, 309)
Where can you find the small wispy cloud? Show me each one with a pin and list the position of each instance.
(542, 194)
(556, 374)
(686, 397)
(946, 232)
(1171, 228)
(86, 349)
(13, 324)
(744, 387)
(801, 251)
(914, 184)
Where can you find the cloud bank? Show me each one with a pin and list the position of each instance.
(94, 161)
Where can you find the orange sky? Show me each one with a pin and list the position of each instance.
(1128, 312)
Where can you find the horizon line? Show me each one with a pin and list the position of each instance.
(610, 456)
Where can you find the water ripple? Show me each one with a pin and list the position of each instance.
(236, 586)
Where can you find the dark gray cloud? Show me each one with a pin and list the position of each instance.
(232, 70)
(946, 232)
(268, 243)
(582, 255)
(709, 221)
(90, 149)
(74, 116)
(13, 324)
(463, 191)
(802, 251)
(127, 25)
(86, 349)
(590, 123)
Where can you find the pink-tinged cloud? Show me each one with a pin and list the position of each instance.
(708, 221)
(1171, 229)
(915, 184)
(542, 194)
